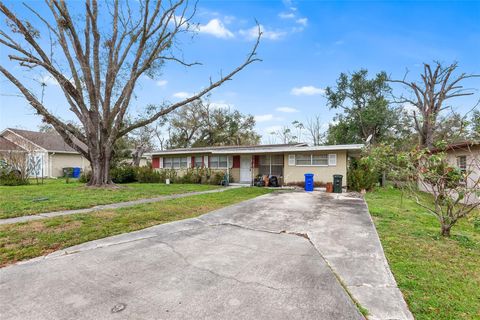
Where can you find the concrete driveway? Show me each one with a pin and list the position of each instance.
(279, 256)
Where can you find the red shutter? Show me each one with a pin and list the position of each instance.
(256, 161)
(156, 162)
(193, 162)
(236, 162)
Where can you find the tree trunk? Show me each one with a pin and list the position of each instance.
(446, 230)
(137, 157)
(100, 164)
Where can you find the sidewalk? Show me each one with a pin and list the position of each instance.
(107, 206)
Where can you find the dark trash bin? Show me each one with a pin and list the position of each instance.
(273, 181)
(308, 181)
(76, 172)
(337, 183)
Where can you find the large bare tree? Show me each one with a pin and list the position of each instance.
(429, 97)
(97, 56)
(314, 128)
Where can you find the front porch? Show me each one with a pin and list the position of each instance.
(246, 168)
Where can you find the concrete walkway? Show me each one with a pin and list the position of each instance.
(110, 206)
(279, 256)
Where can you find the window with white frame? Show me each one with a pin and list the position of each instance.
(175, 162)
(303, 160)
(320, 160)
(217, 162)
(311, 160)
(462, 163)
(198, 161)
(271, 165)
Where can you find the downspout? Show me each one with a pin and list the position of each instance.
(50, 160)
(252, 168)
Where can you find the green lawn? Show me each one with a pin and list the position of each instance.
(35, 238)
(439, 277)
(56, 195)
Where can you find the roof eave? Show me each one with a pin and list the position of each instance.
(348, 147)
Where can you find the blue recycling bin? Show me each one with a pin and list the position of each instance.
(76, 172)
(309, 182)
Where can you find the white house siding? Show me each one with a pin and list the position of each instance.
(58, 161)
(472, 155)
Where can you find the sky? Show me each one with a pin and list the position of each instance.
(304, 48)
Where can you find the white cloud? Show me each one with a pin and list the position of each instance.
(267, 117)
(302, 21)
(286, 15)
(181, 95)
(161, 83)
(287, 109)
(307, 91)
(263, 117)
(216, 28)
(252, 33)
(229, 19)
(339, 42)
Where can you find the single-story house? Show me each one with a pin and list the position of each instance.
(289, 162)
(47, 149)
(466, 156)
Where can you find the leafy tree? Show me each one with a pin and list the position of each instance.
(284, 135)
(451, 194)
(200, 124)
(475, 125)
(429, 96)
(299, 127)
(46, 128)
(96, 57)
(366, 111)
(451, 128)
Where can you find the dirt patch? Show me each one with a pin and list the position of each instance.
(33, 226)
(25, 242)
(67, 226)
(106, 214)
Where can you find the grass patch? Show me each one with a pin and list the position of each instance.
(35, 238)
(55, 195)
(439, 277)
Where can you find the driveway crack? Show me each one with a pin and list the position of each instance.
(216, 274)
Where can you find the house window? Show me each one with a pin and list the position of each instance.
(217, 162)
(271, 165)
(312, 160)
(320, 160)
(303, 160)
(198, 161)
(175, 162)
(462, 163)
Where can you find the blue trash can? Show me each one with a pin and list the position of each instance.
(309, 182)
(76, 172)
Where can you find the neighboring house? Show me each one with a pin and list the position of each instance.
(466, 156)
(289, 162)
(47, 149)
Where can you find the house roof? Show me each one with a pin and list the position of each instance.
(272, 148)
(51, 142)
(466, 145)
(7, 145)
